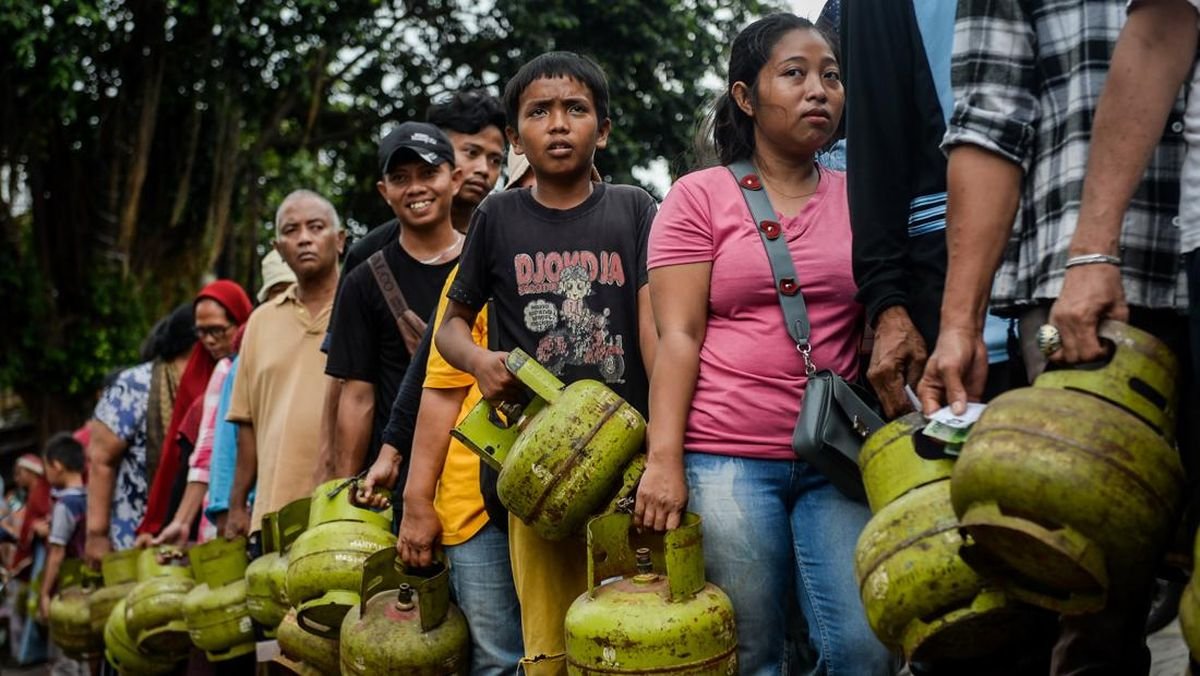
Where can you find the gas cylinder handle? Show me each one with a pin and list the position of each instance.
(290, 521)
(384, 571)
(677, 553)
(533, 375)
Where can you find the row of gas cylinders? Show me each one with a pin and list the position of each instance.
(1063, 491)
(331, 591)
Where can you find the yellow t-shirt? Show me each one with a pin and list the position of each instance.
(458, 502)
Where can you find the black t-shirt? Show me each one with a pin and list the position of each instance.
(375, 239)
(564, 283)
(365, 343)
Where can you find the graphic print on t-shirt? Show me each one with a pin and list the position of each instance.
(574, 332)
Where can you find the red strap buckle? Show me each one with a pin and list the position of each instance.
(771, 229)
(751, 182)
(788, 286)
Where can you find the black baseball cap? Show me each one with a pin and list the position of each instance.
(424, 140)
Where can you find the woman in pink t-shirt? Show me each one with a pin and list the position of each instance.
(728, 382)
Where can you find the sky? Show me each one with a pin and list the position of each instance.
(808, 9)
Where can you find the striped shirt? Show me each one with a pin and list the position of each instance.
(1027, 75)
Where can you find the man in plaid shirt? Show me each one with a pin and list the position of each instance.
(1027, 77)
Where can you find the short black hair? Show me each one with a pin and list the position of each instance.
(171, 336)
(66, 450)
(557, 64)
(467, 112)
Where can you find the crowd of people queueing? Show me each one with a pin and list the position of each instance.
(1025, 126)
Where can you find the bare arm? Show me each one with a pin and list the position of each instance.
(458, 348)
(647, 331)
(244, 475)
(355, 418)
(1159, 38)
(325, 468)
(54, 559)
(421, 528)
(177, 531)
(104, 451)
(679, 295)
(984, 192)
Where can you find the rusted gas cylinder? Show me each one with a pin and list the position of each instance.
(1069, 486)
(571, 453)
(304, 653)
(921, 599)
(215, 610)
(324, 564)
(661, 616)
(70, 614)
(405, 623)
(154, 609)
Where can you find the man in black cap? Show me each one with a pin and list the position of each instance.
(381, 308)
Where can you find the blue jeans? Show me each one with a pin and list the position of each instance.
(773, 528)
(481, 577)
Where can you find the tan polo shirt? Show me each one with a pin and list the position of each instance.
(280, 389)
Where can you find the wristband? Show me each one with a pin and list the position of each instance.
(1093, 259)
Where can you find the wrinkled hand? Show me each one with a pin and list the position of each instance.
(662, 495)
(1090, 294)
(897, 359)
(95, 548)
(496, 383)
(175, 534)
(143, 540)
(420, 530)
(237, 523)
(382, 474)
(956, 371)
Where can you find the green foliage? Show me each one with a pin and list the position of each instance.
(145, 143)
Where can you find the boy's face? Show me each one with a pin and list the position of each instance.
(557, 128)
(420, 194)
(480, 157)
(54, 473)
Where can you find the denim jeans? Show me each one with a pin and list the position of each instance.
(481, 577)
(773, 528)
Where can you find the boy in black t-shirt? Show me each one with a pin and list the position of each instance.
(367, 347)
(564, 264)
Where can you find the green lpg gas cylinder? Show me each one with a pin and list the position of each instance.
(154, 609)
(266, 576)
(215, 611)
(405, 623)
(324, 570)
(119, 570)
(1068, 486)
(70, 615)
(123, 654)
(304, 653)
(570, 453)
(660, 616)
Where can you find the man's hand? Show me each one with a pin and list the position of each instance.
(238, 522)
(175, 534)
(1090, 294)
(662, 494)
(143, 540)
(420, 530)
(95, 548)
(496, 383)
(382, 474)
(956, 372)
(897, 359)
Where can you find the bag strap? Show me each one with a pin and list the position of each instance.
(388, 286)
(787, 286)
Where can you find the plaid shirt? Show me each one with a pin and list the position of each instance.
(1027, 75)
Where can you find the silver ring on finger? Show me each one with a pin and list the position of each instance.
(1048, 339)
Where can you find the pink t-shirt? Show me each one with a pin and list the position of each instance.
(751, 378)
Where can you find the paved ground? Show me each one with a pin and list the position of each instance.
(1170, 656)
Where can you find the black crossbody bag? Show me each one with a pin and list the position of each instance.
(837, 416)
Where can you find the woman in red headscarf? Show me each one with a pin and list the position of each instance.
(220, 308)
(30, 474)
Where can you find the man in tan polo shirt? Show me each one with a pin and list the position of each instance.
(277, 393)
